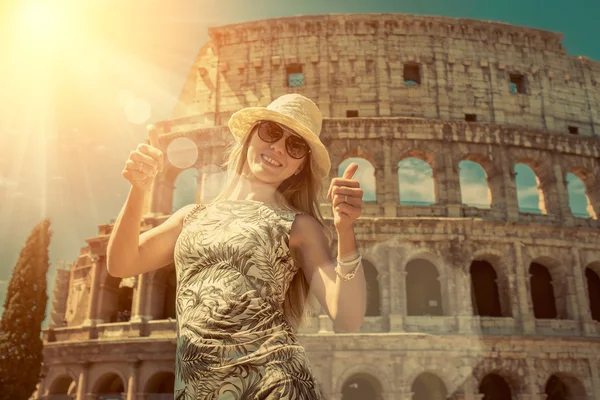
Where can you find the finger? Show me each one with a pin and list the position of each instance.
(346, 190)
(138, 166)
(139, 156)
(350, 171)
(345, 210)
(150, 151)
(353, 201)
(153, 135)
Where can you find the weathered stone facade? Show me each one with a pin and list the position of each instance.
(454, 350)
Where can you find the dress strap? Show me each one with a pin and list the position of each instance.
(192, 213)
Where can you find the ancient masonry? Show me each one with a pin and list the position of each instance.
(464, 301)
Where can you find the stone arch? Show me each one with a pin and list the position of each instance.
(485, 292)
(115, 296)
(62, 384)
(563, 386)
(548, 288)
(495, 387)
(185, 188)
(531, 197)
(160, 382)
(428, 386)
(559, 282)
(417, 185)
(474, 184)
(508, 370)
(365, 175)
(362, 386)
(110, 382)
(580, 202)
(423, 288)
(373, 292)
(591, 184)
(162, 292)
(363, 370)
(592, 283)
(499, 262)
(359, 152)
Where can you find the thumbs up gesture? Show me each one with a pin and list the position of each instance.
(145, 162)
(346, 198)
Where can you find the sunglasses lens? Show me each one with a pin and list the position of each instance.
(270, 132)
(296, 147)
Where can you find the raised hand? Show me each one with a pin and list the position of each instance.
(145, 162)
(346, 198)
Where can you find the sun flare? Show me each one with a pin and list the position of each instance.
(42, 23)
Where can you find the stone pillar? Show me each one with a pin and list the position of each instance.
(82, 380)
(562, 206)
(522, 275)
(463, 299)
(397, 288)
(442, 101)
(324, 101)
(580, 287)
(595, 377)
(139, 299)
(91, 319)
(382, 78)
(530, 377)
(134, 368)
(510, 187)
(451, 183)
(390, 179)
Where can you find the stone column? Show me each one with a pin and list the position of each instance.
(324, 101)
(565, 214)
(82, 380)
(510, 187)
(595, 376)
(580, 287)
(134, 368)
(464, 305)
(397, 287)
(139, 299)
(442, 100)
(522, 275)
(382, 78)
(390, 179)
(91, 319)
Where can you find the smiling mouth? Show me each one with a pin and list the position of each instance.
(270, 161)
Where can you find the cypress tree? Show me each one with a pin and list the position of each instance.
(24, 311)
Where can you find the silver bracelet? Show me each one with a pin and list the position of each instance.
(352, 274)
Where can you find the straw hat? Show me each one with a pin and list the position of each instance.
(294, 111)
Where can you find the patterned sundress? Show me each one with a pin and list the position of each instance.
(233, 268)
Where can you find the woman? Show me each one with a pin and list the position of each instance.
(244, 261)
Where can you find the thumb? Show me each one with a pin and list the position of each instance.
(350, 170)
(153, 135)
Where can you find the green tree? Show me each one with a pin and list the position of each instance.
(24, 311)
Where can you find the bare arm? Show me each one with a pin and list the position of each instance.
(128, 252)
(344, 301)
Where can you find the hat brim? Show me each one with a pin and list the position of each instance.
(242, 121)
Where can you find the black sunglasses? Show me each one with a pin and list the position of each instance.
(271, 132)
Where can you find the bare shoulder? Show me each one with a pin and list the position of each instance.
(305, 227)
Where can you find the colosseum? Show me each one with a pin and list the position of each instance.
(484, 286)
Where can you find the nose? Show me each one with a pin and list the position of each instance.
(279, 145)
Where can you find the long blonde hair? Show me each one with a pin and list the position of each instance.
(302, 193)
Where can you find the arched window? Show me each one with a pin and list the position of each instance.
(365, 175)
(184, 192)
(578, 199)
(361, 387)
(494, 387)
(160, 385)
(423, 291)
(484, 290)
(542, 292)
(593, 284)
(415, 182)
(474, 188)
(428, 386)
(530, 196)
(373, 308)
(564, 387)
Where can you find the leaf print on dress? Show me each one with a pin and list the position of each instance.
(233, 267)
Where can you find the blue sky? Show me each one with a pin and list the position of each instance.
(72, 109)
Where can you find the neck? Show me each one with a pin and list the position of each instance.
(253, 189)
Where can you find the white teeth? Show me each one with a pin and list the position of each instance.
(271, 161)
